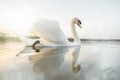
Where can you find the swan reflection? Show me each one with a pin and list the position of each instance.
(50, 61)
(75, 55)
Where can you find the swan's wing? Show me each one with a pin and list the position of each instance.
(50, 31)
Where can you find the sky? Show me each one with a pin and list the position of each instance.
(100, 18)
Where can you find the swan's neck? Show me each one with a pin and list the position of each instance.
(74, 33)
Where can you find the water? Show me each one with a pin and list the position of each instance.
(91, 61)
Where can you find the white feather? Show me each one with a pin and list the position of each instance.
(50, 31)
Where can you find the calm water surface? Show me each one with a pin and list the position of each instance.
(90, 61)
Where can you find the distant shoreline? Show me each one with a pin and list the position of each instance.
(9, 39)
(16, 39)
(71, 39)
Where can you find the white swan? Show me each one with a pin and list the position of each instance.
(51, 33)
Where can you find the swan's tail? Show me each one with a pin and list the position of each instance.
(27, 41)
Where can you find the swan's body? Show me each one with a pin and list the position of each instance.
(51, 33)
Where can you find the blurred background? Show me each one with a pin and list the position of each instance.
(100, 18)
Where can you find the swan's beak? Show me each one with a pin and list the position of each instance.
(79, 24)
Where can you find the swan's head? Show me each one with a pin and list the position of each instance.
(77, 21)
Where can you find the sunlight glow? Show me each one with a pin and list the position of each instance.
(19, 22)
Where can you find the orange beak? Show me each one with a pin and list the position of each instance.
(79, 24)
